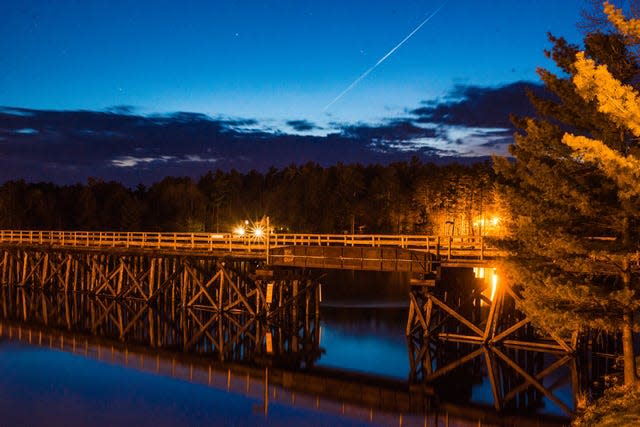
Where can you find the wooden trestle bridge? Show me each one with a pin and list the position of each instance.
(272, 276)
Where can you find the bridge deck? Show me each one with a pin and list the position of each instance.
(342, 251)
(355, 258)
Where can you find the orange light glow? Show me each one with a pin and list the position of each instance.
(494, 284)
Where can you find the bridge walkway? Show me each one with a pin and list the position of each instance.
(407, 253)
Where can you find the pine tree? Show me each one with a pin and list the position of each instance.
(575, 200)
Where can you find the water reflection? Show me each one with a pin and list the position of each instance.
(349, 366)
(232, 336)
(509, 378)
(365, 339)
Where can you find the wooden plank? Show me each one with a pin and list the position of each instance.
(502, 335)
(489, 328)
(456, 315)
(539, 376)
(533, 381)
(422, 282)
(493, 378)
(453, 365)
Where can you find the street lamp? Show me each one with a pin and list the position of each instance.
(258, 232)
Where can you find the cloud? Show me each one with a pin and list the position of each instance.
(123, 145)
(478, 106)
(398, 135)
(195, 158)
(25, 131)
(469, 121)
(16, 111)
(396, 130)
(122, 109)
(302, 125)
(69, 146)
(131, 161)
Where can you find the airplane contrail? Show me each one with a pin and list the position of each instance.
(381, 60)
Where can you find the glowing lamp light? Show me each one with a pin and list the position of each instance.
(487, 274)
(494, 284)
(478, 272)
(258, 232)
(239, 231)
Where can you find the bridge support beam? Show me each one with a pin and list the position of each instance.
(237, 337)
(193, 283)
(519, 378)
(465, 308)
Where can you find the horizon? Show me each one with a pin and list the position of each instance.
(106, 90)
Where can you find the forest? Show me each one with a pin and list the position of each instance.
(404, 197)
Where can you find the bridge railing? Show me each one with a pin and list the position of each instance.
(143, 240)
(444, 246)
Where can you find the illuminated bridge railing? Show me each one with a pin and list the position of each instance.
(447, 247)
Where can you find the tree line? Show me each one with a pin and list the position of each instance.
(404, 197)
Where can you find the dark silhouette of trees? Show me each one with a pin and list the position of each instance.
(175, 204)
(407, 197)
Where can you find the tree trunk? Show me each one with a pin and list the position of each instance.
(628, 352)
(630, 376)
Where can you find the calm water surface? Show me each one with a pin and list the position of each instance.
(360, 338)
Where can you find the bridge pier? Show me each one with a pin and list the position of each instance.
(519, 378)
(291, 300)
(468, 324)
(473, 307)
(228, 336)
(190, 282)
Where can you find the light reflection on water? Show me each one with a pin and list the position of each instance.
(49, 387)
(45, 386)
(371, 340)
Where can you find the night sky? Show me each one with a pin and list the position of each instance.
(134, 90)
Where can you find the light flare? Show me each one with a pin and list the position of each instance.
(494, 284)
(258, 232)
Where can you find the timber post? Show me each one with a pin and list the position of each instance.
(268, 234)
(473, 311)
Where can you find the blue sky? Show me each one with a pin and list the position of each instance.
(267, 59)
(265, 68)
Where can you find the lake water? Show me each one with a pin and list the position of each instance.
(355, 370)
